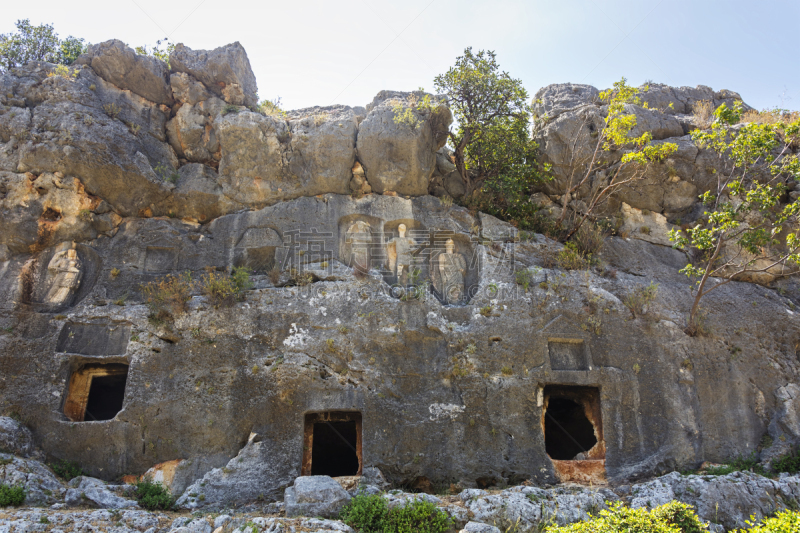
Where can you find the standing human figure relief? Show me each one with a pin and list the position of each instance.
(452, 269)
(65, 270)
(401, 251)
(359, 237)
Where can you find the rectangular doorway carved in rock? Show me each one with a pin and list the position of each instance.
(96, 392)
(573, 433)
(332, 444)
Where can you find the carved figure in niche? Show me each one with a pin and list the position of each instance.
(452, 269)
(401, 252)
(65, 270)
(359, 237)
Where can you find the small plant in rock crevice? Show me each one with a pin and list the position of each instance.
(66, 470)
(789, 463)
(153, 496)
(167, 297)
(639, 298)
(112, 110)
(223, 290)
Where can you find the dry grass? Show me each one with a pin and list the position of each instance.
(774, 116)
(703, 113)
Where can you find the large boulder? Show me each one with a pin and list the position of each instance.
(225, 71)
(681, 100)
(265, 159)
(41, 486)
(253, 474)
(315, 496)
(15, 438)
(323, 147)
(554, 99)
(119, 64)
(529, 507)
(401, 157)
(113, 140)
(571, 117)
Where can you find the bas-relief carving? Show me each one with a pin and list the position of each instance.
(450, 270)
(358, 240)
(64, 277)
(59, 277)
(401, 253)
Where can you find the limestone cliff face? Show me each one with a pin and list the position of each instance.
(129, 171)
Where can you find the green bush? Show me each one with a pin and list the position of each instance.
(365, 513)
(224, 290)
(680, 515)
(570, 258)
(167, 297)
(672, 517)
(736, 465)
(153, 496)
(370, 514)
(11, 495)
(66, 470)
(789, 463)
(419, 516)
(783, 522)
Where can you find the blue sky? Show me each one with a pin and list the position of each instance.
(319, 52)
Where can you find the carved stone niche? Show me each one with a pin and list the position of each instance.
(454, 266)
(96, 392)
(60, 277)
(359, 245)
(567, 354)
(100, 338)
(406, 249)
(259, 250)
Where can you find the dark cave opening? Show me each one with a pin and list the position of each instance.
(332, 444)
(106, 394)
(567, 430)
(334, 452)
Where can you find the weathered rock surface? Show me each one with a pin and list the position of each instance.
(119, 64)
(400, 157)
(225, 71)
(41, 486)
(728, 500)
(530, 506)
(251, 475)
(315, 496)
(119, 175)
(16, 439)
(569, 117)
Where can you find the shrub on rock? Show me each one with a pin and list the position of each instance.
(153, 496)
(11, 495)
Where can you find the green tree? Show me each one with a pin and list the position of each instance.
(507, 149)
(492, 142)
(156, 50)
(747, 230)
(614, 135)
(37, 43)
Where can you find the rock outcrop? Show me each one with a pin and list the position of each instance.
(437, 342)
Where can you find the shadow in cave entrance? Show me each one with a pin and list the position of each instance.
(332, 444)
